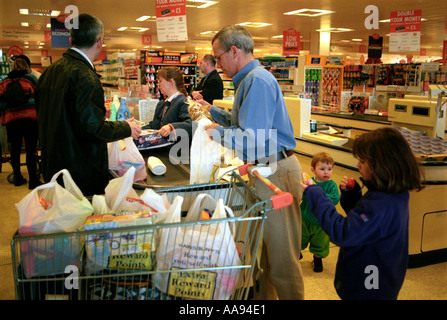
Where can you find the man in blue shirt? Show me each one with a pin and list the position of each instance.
(260, 130)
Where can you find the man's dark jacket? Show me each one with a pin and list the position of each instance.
(72, 131)
(211, 87)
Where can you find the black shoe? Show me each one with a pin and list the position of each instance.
(318, 264)
(34, 184)
(19, 180)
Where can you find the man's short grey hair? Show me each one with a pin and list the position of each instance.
(237, 36)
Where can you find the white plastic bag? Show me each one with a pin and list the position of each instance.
(124, 154)
(120, 197)
(197, 247)
(52, 208)
(204, 154)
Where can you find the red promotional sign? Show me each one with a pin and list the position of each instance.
(444, 50)
(15, 51)
(291, 43)
(406, 21)
(170, 8)
(146, 39)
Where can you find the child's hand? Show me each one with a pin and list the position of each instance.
(303, 185)
(347, 183)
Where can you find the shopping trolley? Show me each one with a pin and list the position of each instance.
(144, 261)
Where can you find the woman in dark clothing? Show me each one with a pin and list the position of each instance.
(171, 114)
(18, 114)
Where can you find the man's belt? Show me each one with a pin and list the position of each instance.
(283, 154)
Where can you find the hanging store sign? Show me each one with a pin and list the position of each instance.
(375, 45)
(291, 43)
(405, 30)
(171, 20)
(60, 35)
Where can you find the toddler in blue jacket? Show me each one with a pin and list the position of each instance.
(373, 237)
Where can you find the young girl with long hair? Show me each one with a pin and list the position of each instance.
(373, 236)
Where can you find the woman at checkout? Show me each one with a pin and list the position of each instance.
(171, 115)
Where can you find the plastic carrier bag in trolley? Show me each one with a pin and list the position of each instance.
(204, 247)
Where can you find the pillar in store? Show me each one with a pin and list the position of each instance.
(325, 43)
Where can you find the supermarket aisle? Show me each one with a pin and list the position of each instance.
(426, 283)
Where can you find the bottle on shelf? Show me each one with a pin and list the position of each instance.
(123, 112)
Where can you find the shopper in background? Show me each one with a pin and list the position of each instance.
(28, 61)
(373, 237)
(71, 112)
(18, 114)
(210, 86)
(258, 112)
(312, 234)
(171, 114)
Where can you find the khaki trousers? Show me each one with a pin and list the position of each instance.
(281, 276)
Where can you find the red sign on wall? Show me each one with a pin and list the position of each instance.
(444, 50)
(290, 43)
(146, 39)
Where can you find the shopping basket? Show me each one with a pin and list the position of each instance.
(144, 262)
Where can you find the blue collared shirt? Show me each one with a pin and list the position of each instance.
(259, 124)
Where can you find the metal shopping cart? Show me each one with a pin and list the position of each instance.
(204, 259)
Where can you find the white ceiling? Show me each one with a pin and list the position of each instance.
(114, 14)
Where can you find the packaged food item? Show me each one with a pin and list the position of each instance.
(197, 111)
(307, 179)
(149, 139)
(130, 249)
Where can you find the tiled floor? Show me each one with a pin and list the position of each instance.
(425, 283)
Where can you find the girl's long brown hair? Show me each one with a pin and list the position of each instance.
(175, 73)
(394, 167)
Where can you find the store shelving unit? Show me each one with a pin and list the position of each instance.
(152, 61)
(332, 78)
(285, 70)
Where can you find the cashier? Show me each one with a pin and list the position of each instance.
(171, 115)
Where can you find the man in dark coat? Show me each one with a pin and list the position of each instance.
(71, 114)
(210, 87)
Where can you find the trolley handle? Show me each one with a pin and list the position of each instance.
(281, 199)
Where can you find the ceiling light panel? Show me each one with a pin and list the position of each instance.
(254, 24)
(308, 12)
(200, 4)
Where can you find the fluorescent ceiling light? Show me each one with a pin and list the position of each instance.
(334, 30)
(24, 24)
(209, 32)
(204, 4)
(139, 29)
(281, 36)
(35, 12)
(357, 40)
(143, 18)
(254, 24)
(308, 12)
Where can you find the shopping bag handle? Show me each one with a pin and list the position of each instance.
(281, 199)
